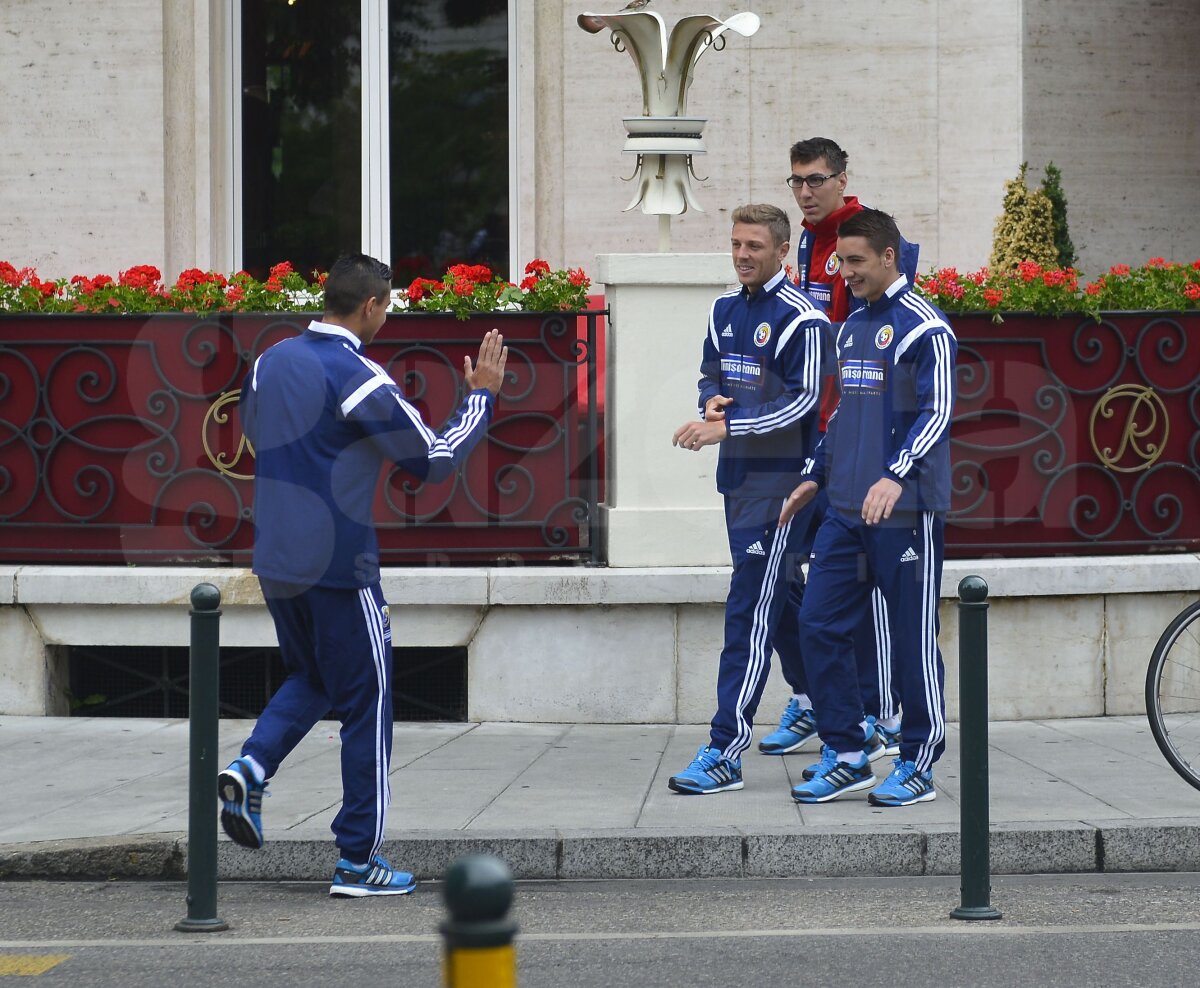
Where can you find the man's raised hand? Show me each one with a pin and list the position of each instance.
(488, 370)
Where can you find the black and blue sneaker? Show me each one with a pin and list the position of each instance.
(874, 745)
(832, 778)
(710, 771)
(890, 739)
(351, 881)
(796, 728)
(905, 785)
(241, 804)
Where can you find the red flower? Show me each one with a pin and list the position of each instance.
(145, 276)
(478, 274)
(1095, 288)
(528, 284)
(273, 284)
(1195, 264)
(282, 269)
(993, 297)
(537, 267)
(1028, 270)
(1192, 291)
(422, 287)
(321, 276)
(115, 303)
(463, 288)
(1119, 270)
(8, 274)
(576, 277)
(1157, 262)
(234, 295)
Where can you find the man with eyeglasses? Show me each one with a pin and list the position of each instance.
(818, 181)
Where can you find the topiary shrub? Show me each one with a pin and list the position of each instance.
(1025, 230)
(1052, 187)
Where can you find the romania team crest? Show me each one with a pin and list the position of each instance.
(386, 614)
(833, 264)
(762, 335)
(884, 337)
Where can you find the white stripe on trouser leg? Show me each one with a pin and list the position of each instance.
(759, 632)
(883, 653)
(929, 603)
(374, 623)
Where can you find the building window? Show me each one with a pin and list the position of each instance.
(311, 164)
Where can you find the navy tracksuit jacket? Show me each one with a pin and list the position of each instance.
(896, 360)
(323, 419)
(765, 351)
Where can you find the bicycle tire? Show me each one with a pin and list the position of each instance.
(1173, 694)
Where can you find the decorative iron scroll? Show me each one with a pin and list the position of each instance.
(1074, 437)
(120, 440)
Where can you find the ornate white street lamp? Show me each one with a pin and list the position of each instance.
(664, 138)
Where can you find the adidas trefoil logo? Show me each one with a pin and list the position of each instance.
(757, 549)
(728, 330)
(909, 556)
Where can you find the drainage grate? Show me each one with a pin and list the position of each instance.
(428, 683)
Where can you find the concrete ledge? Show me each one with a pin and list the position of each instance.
(580, 586)
(1065, 847)
(1069, 637)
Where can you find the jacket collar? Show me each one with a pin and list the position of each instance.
(329, 329)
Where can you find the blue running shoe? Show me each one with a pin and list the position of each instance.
(905, 785)
(710, 771)
(834, 778)
(241, 804)
(377, 878)
(796, 728)
(891, 739)
(873, 744)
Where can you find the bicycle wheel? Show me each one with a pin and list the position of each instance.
(1173, 693)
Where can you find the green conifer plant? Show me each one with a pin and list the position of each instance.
(1052, 186)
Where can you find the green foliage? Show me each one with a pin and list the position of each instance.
(1025, 230)
(1052, 187)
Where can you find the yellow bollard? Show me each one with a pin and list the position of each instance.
(479, 951)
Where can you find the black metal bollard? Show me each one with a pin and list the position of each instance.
(478, 936)
(204, 666)
(973, 733)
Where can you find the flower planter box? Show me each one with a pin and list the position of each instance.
(1072, 436)
(119, 439)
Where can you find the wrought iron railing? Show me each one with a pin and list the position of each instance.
(119, 440)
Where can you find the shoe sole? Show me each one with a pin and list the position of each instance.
(925, 797)
(365, 891)
(235, 821)
(853, 787)
(674, 785)
(784, 751)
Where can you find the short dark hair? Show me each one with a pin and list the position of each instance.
(764, 214)
(876, 226)
(352, 280)
(820, 147)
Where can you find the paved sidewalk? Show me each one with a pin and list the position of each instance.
(106, 797)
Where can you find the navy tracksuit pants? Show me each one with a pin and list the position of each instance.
(336, 645)
(766, 570)
(872, 640)
(903, 558)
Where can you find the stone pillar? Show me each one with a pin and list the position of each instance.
(662, 507)
(32, 673)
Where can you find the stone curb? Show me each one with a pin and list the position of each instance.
(1016, 849)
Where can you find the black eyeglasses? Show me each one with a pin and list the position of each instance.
(812, 181)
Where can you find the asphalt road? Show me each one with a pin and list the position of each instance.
(1056, 930)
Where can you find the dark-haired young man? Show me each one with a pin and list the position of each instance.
(323, 418)
(818, 181)
(884, 463)
(758, 391)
